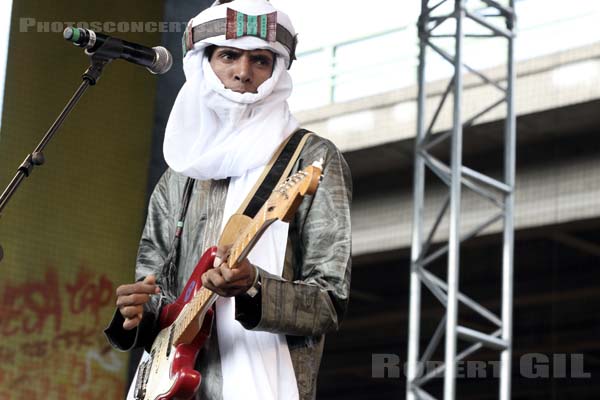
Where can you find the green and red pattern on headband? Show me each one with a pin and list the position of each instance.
(262, 26)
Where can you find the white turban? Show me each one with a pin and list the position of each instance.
(214, 132)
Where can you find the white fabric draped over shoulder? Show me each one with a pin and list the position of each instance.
(216, 133)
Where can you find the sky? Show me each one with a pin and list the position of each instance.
(564, 23)
(543, 27)
(325, 22)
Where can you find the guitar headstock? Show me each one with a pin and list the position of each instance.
(286, 197)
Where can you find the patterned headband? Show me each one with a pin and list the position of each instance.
(238, 24)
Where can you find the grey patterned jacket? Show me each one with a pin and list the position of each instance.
(308, 301)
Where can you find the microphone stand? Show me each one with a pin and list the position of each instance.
(110, 49)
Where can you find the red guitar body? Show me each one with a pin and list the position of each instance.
(186, 324)
(182, 380)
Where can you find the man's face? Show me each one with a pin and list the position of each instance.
(242, 70)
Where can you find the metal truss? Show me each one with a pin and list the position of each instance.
(496, 20)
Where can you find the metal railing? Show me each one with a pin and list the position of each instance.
(388, 60)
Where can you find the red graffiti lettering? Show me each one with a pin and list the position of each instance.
(35, 381)
(75, 339)
(89, 296)
(27, 307)
(35, 349)
(9, 316)
(7, 355)
(41, 313)
(78, 368)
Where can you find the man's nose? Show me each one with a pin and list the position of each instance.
(244, 70)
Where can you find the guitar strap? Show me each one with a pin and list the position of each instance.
(169, 270)
(275, 172)
(278, 169)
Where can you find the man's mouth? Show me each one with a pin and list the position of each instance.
(242, 90)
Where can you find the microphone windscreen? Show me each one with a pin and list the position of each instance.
(163, 61)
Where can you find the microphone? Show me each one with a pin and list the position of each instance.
(157, 60)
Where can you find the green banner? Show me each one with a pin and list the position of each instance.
(70, 233)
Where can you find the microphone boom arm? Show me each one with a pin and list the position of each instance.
(110, 49)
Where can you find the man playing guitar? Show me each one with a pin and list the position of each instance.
(277, 303)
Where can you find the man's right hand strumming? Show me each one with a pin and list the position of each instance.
(131, 299)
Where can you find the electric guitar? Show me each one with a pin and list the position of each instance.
(168, 372)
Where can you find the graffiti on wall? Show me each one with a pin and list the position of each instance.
(51, 340)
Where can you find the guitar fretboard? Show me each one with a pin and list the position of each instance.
(203, 299)
(200, 301)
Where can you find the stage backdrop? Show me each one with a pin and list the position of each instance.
(70, 234)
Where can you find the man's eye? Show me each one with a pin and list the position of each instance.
(263, 61)
(227, 56)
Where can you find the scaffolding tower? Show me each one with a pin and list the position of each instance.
(494, 19)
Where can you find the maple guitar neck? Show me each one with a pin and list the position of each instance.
(168, 373)
(281, 205)
(184, 329)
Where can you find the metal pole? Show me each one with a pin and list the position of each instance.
(452, 175)
(508, 234)
(417, 234)
(455, 197)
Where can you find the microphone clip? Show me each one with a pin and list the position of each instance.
(109, 50)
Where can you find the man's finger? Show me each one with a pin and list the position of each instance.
(131, 323)
(222, 255)
(147, 286)
(136, 299)
(131, 311)
(208, 285)
(218, 261)
(215, 279)
(233, 275)
(140, 287)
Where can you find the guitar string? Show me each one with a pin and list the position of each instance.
(193, 308)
